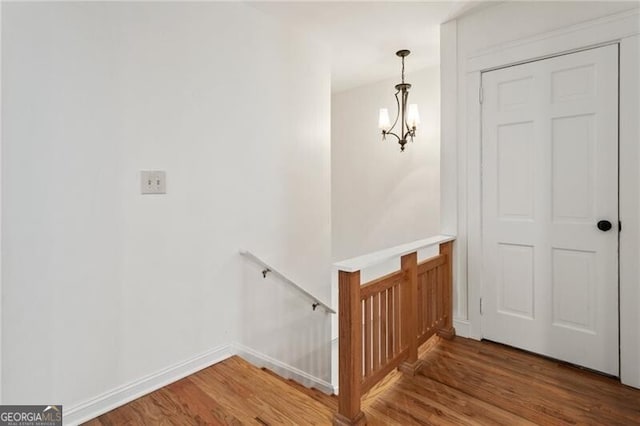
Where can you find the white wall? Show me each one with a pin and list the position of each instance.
(629, 193)
(102, 286)
(382, 197)
(508, 29)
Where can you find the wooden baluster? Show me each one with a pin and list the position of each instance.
(427, 312)
(439, 296)
(409, 265)
(420, 311)
(396, 319)
(350, 350)
(425, 302)
(391, 326)
(433, 301)
(376, 332)
(363, 334)
(384, 334)
(446, 330)
(367, 336)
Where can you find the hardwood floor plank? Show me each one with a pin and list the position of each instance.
(234, 399)
(149, 410)
(330, 401)
(407, 411)
(473, 409)
(121, 416)
(191, 399)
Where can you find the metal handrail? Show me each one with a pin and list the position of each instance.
(268, 269)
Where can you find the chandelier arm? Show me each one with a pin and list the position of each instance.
(397, 112)
(406, 100)
(410, 130)
(410, 133)
(393, 134)
(405, 97)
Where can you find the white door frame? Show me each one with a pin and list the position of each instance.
(624, 29)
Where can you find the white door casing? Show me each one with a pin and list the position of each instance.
(549, 174)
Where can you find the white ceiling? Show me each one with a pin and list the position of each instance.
(363, 36)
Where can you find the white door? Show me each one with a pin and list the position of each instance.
(550, 174)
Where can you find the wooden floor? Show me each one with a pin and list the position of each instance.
(462, 382)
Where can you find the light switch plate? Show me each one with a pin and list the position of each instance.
(153, 182)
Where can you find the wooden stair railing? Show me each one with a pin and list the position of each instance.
(383, 322)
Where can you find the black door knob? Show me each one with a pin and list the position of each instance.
(604, 225)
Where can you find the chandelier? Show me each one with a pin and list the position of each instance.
(409, 118)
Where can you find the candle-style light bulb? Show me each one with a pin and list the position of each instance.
(383, 119)
(413, 117)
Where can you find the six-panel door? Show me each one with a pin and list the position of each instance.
(550, 174)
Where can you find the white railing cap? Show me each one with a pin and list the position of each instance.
(370, 259)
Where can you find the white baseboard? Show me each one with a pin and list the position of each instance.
(121, 395)
(462, 327)
(288, 372)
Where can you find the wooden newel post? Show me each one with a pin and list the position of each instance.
(350, 350)
(446, 330)
(409, 265)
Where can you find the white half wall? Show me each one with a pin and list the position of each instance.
(382, 197)
(102, 286)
